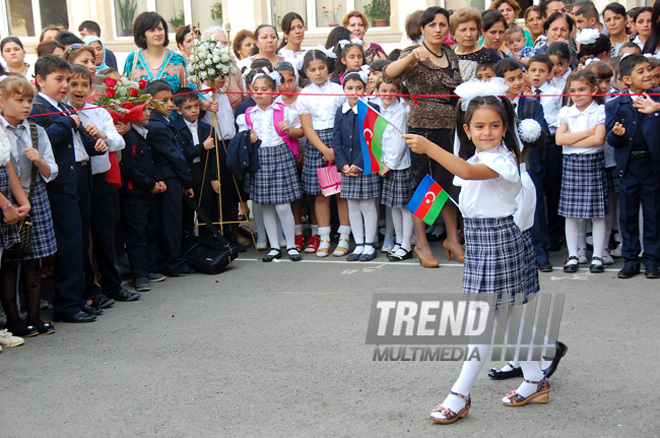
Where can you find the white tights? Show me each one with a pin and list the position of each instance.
(363, 216)
(572, 235)
(403, 226)
(271, 213)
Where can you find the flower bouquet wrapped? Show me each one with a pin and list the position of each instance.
(122, 95)
(210, 60)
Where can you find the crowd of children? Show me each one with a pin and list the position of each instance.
(596, 167)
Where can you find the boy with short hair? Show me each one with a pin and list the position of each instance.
(171, 167)
(69, 193)
(632, 128)
(196, 142)
(515, 41)
(530, 108)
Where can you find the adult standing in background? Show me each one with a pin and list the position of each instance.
(13, 54)
(293, 28)
(614, 16)
(184, 41)
(534, 22)
(653, 43)
(91, 28)
(267, 39)
(243, 44)
(493, 26)
(357, 23)
(511, 10)
(432, 68)
(465, 28)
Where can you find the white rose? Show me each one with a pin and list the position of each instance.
(201, 65)
(202, 75)
(224, 57)
(208, 62)
(225, 69)
(211, 72)
(216, 59)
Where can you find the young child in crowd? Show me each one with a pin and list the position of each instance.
(397, 179)
(485, 72)
(275, 184)
(358, 188)
(516, 42)
(375, 73)
(317, 116)
(32, 158)
(581, 134)
(560, 55)
(351, 58)
(171, 167)
(138, 205)
(632, 129)
(69, 193)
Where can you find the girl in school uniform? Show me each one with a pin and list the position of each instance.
(581, 134)
(360, 189)
(351, 57)
(494, 251)
(317, 116)
(275, 185)
(395, 170)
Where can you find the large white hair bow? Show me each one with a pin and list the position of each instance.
(476, 88)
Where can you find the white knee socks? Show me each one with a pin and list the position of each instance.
(258, 213)
(287, 221)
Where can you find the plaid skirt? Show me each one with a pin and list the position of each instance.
(495, 260)
(313, 160)
(611, 181)
(276, 181)
(43, 232)
(397, 188)
(531, 269)
(9, 234)
(363, 186)
(582, 186)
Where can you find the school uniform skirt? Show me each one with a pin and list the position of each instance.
(582, 186)
(313, 160)
(276, 181)
(9, 234)
(495, 261)
(611, 181)
(397, 188)
(43, 232)
(363, 186)
(531, 269)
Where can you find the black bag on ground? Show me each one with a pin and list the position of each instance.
(210, 255)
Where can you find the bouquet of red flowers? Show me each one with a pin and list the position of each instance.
(122, 95)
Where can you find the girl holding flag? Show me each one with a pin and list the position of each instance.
(494, 249)
(360, 184)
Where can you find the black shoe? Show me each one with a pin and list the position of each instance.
(544, 266)
(156, 277)
(100, 301)
(571, 268)
(26, 331)
(628, 271)
(498, 374)
(74, 317)
(560, 351)
(393, 257)
(124, 295)
(294, 254)
(91, 310)
(187, 271)
(45, 328)
(652, 271)
(142, 284)
(596, 268)
(269, 257)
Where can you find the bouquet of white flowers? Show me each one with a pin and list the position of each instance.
(210, 60)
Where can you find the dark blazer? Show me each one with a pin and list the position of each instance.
(346, 139)
(165, 144)
(621, 110)
(535, 111)
(137, 167)
(192, 151)
(58, 127)
(243, 155)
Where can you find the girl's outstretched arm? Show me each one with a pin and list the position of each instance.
(451, 162)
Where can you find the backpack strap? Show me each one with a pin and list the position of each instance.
(248, 118)
(278, 116)
(528, 109)
(34, 134)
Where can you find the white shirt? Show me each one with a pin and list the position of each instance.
(491, 198)
(102, 119)
(140, 130)
(19, 160)
(225, 116)
(322, 109)
(560, 82)
(551, 105)
(78, 148)
(192, 127)
(526, 200)
(396, 154)
(577, 121)
(262, 124)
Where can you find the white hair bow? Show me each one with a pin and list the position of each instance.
(274, 75)
(476, 88)
(344, 43)
(529, 130)
(328, 52)
(587, 36)
(590, 60)
(364, 72)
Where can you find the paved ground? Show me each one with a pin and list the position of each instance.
(277, 350)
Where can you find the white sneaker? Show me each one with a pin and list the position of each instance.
(616, 252)
(262, 246)
(7, 340)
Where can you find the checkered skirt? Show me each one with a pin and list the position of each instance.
(495, 260)
(582, 186)
(313, 160)
(397, 188)
(611, 181)
(363, 186)
(531, 269)
(276, 181)
(43, 233)
(9, 233)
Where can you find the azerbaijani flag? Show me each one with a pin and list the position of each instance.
(371, 127)
(427, 201)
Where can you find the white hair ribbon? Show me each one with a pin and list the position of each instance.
(476, 88)
(590, 60)
(587, 36)
(529, 130)
(328, 52)
(274, 75)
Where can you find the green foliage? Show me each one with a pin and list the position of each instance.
(216, 11)
(377, 9)
(177, 20)
(127, 10)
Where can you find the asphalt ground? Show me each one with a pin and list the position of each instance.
(278, 350)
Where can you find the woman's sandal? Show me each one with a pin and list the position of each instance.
(325, 251)
(540, 396)
(449, 415)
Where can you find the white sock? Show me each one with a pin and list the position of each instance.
(258, 214)
(572, 230)
(287, 221)
(469, 373)
(344, 236)
(298, 229)
(270, 223)
(389, 227)
(407, 229)
(582, 234)
(532, 372)
(315, 229)
(355, 219)
(370, 214)
(397, 223)
(598, 231)
(324, 232)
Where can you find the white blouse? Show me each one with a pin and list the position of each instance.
(491, 198)
(102, 119)
(322, 109)
(560, 82)
(577, 121)
(396, 154)
(5, 149)
(262, 124)
(526, 200)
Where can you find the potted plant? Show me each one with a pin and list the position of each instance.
(127, 10)
(177, 20)
(216, 11)
(378, 11)
(331, 14)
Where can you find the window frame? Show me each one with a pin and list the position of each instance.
(151, 6)
(36, 20)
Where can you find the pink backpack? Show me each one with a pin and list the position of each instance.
(278, 116)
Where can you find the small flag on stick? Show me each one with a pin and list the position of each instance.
(371, 127)
(427, 201)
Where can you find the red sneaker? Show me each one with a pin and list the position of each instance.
(313, 244)
(300, 242)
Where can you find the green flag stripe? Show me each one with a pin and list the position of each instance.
(434, 211)
(376, 144)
